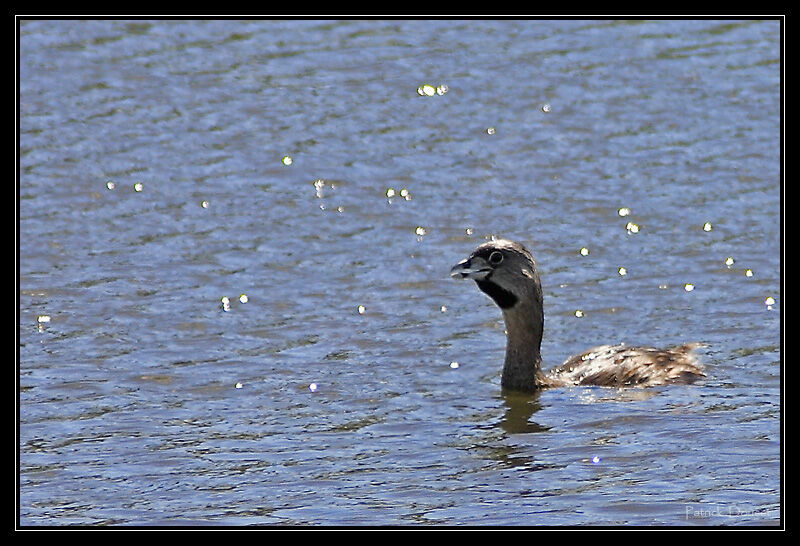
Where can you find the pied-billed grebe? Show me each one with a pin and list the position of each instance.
(506, 271)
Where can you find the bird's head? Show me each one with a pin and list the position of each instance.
(504, 270)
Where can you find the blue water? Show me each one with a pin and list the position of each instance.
(167, 164)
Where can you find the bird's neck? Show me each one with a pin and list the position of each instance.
(524, 325)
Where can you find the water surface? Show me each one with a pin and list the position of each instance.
(165, 165)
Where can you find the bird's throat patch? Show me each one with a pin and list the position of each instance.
(502, 297)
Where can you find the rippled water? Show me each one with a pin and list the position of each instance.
(306, 165)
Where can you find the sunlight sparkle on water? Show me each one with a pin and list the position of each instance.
(319, 184)
(426, 90)
(41, 321)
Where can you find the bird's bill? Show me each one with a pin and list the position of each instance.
(471, 268)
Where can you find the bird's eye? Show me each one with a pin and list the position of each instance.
(495, 258)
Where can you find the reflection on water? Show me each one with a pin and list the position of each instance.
(519, 410)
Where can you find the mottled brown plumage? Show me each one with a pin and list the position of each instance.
(506, 271)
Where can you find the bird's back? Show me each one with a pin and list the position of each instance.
(622, 365)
